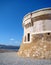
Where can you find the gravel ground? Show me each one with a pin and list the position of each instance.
(11, 58)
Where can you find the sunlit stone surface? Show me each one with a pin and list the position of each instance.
(37, 35)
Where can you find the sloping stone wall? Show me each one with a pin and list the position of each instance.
(40, 47)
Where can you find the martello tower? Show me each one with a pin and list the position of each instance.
(37, 22)
(37, 34)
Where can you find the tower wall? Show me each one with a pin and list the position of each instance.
(36, 22)
(37, 35)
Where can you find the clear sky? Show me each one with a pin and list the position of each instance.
(11, 15)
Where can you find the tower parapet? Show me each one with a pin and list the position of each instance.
(37, 35)
(36, 22)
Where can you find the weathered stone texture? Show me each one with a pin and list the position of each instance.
(40, 47)
(37, 35)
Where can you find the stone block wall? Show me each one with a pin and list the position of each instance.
(39, 48)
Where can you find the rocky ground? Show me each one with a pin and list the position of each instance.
(11, 58)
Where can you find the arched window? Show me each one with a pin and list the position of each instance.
(28, 36)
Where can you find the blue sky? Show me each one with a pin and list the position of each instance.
(11, 15)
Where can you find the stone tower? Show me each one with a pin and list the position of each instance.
(37, 34)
